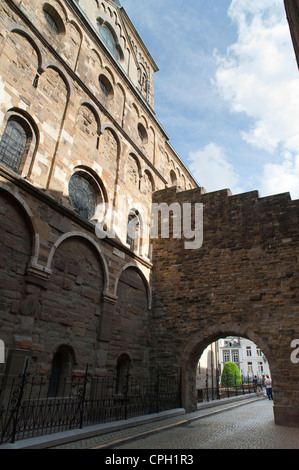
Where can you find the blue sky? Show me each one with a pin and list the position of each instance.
(227, 90)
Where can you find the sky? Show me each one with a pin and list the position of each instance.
(227, 89)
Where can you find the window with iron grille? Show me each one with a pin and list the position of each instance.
(13, 144)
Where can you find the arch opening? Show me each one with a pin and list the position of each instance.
(231, 366)
(211, 386)
(61, 370)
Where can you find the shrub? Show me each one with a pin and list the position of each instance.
(231, 375)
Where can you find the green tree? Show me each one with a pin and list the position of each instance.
(231, 375)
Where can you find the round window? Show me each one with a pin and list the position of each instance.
(82, 195)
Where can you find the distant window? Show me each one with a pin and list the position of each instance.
(133, 230)
(51, 22)
(53, 19)
(248, 351)
(226, 356)
(105, 86)
(142, 133)
(14, 144)
(108, 39)
(235, 356)
(173, 178)
(82, 195)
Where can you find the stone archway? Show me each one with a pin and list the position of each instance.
(195, 347)
(243, 280)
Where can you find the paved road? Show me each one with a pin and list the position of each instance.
(245, 425)
(249, 426)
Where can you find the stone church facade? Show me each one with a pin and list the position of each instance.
(81, 153)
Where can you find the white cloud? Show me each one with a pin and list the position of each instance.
(212, 169)
(283, 177)
(259, 77)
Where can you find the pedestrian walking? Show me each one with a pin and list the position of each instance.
(264, 386)
(255, 385)
(258, 386)
(268, 383)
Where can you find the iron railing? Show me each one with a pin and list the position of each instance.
(27, 410)
(234, 389)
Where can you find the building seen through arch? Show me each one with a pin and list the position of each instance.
(249, 358)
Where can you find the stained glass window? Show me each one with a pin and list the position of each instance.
(13, 145)
(82, 196)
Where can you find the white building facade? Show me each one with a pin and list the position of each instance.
(249, 358)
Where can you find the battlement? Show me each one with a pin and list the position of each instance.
(199, 194)
(241, 221)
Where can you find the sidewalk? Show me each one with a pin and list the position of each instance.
(74, 435)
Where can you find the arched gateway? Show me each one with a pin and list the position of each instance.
(243, 280)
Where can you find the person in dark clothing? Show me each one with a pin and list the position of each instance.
(268, 383)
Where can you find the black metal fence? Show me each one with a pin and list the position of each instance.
(245, 386)
(26, 410)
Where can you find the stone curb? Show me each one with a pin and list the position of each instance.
(51, 440)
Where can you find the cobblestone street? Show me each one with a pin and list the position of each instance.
(238, 427)
(248, 424)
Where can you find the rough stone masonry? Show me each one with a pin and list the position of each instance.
(243, 281)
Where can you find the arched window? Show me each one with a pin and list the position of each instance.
(122, 373)
(62, 365)
(173, 178)
(87, 194)
(108, 40)
(15, 143)
(51, 22)
(133, 230)
(82, 195)
(142, 133)
(106, 86)
(53, 19)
